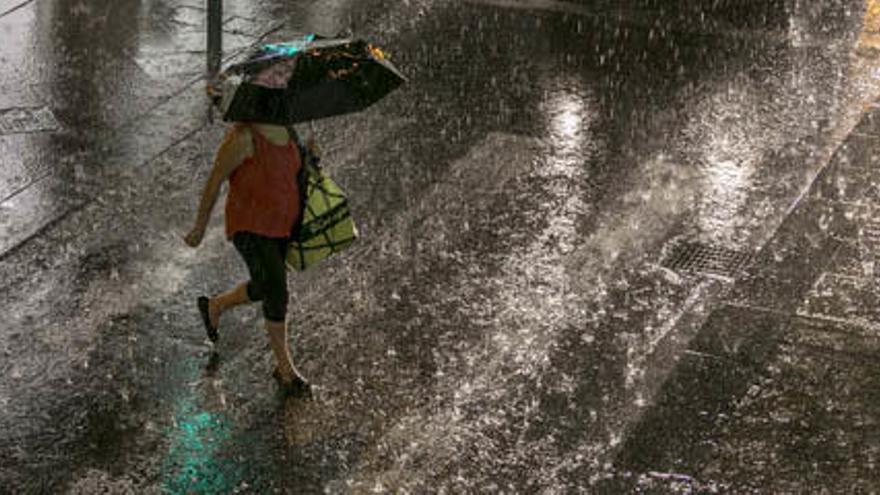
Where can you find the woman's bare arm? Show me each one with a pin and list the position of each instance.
(234, 149)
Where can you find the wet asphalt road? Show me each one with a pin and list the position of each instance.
(506, 319)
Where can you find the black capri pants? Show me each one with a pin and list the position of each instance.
(264, 257)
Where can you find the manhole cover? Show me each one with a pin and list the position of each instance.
(692, 257)
(25, 120)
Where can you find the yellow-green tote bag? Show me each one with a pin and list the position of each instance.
(326, 228)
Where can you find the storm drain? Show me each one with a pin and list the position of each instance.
(26, 120)
(697, 258)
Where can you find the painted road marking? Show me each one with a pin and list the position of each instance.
(27, 120)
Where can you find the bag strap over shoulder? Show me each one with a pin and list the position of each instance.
(306, 161)
(304, 153)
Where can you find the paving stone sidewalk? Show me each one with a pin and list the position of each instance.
(58, 157)
(779, 392)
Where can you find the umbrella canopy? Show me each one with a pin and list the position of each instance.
(307, 79)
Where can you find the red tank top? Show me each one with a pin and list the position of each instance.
(263, 193)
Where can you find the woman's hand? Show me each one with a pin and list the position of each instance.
(194, 238)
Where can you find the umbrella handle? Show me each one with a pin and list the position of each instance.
(210, 92)
(313, 134)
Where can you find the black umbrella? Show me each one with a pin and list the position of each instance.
(309, 79)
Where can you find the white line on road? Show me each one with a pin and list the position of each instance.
(551, 5)
(17, 7)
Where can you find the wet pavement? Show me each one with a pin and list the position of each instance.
(518, 316)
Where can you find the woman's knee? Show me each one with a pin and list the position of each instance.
(275, 307)
(275, 301)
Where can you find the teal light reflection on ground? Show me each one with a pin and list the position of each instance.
(193, 464)
(201, 445)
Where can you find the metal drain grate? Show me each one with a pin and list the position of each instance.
(26, 120)
(692, 257)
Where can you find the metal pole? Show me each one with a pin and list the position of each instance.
(215, 37)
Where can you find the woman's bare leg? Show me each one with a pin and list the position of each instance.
(292, 383)
(218, 304)
(277, 331)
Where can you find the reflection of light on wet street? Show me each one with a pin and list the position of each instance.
(195, 462)
(534, 286)
(567, 114)
(726, 174)
(533, 290)
(863, 68)
(869, 37)
(740, 156)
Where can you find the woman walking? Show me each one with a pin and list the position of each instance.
(261, 162)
